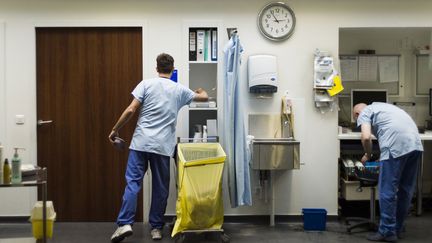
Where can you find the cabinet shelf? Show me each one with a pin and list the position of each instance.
(203, 108)
(203, 62)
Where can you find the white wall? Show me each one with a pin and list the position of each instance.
(318, 22)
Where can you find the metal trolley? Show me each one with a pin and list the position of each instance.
(199, 206)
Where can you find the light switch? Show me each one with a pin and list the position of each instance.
(19, 119)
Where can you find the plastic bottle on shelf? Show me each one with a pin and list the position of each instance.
(6, 172)
(16, 168)
(204, 135)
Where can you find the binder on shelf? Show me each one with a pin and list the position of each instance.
(200, 44)
(214, 45)
(192, 46)
(207, 45)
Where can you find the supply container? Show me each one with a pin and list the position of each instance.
(314, 219)
(36, 219)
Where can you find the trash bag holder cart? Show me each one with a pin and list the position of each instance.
(199, 206)
(38, 180)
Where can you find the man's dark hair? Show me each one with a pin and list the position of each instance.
(165, 63)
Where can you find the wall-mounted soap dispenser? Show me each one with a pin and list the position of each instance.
(262, 74)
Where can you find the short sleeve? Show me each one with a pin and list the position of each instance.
(186, 95)
(365, 116)
(138, 92)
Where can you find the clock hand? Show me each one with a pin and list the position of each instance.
(276, 20)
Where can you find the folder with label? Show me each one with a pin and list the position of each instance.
(200, 45)
(207, 45)
(192, 46)
(214, 43)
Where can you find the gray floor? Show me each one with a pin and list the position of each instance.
(418, 230)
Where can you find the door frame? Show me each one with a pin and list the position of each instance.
(146, 60)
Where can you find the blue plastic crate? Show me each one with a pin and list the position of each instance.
(314, 219)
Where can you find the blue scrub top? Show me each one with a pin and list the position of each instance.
(396, 132)
(160, 99)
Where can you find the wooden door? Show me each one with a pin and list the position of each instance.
(84, 81)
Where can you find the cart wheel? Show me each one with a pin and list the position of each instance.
(224, 238)
(180, 238)
(171, 224)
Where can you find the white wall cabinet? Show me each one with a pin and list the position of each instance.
(202, 48)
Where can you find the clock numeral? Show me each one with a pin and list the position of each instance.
(277, 10)
(286, 26)
(268, 25)
(286, 15)
(277, 31)
(268, 16)
(266, 20)
(282, 29)
(271, 29)
(272, 11)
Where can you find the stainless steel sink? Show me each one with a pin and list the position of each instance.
(275, 154)
(270, 153)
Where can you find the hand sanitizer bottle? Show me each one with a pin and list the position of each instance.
(16, 168)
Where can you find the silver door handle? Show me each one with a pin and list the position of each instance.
(42, 122)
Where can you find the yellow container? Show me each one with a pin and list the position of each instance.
(37, 228)
(37, 219)
(199, 203)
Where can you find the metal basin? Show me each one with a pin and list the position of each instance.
(276, 154)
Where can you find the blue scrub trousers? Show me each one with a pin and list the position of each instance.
(397, 182)
(136, 167)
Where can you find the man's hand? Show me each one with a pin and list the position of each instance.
(201, 95)
(113, 135)
(365, 158)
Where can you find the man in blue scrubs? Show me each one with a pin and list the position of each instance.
(158, 100)
(401, 151)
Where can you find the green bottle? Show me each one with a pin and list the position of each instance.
(16, 168)
(6, 172)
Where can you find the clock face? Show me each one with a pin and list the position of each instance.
(276, 21)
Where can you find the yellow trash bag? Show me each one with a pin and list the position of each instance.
(199, 204)
(37, 219)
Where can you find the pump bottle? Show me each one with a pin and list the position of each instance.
(6, 172)
(16, 168)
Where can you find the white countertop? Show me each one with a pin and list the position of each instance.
(356, 135)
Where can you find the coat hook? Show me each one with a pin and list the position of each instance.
(231, 31)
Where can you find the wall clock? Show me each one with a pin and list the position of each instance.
(276, 21)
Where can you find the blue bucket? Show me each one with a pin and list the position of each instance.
(314, 219)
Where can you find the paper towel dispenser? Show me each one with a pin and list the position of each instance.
(262, 74)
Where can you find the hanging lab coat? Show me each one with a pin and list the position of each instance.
(234, 137)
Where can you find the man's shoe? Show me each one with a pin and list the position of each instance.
(156, 234)
(121, 233)
(379, 237)
(401, 233)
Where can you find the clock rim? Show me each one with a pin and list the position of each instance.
(261, 28)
